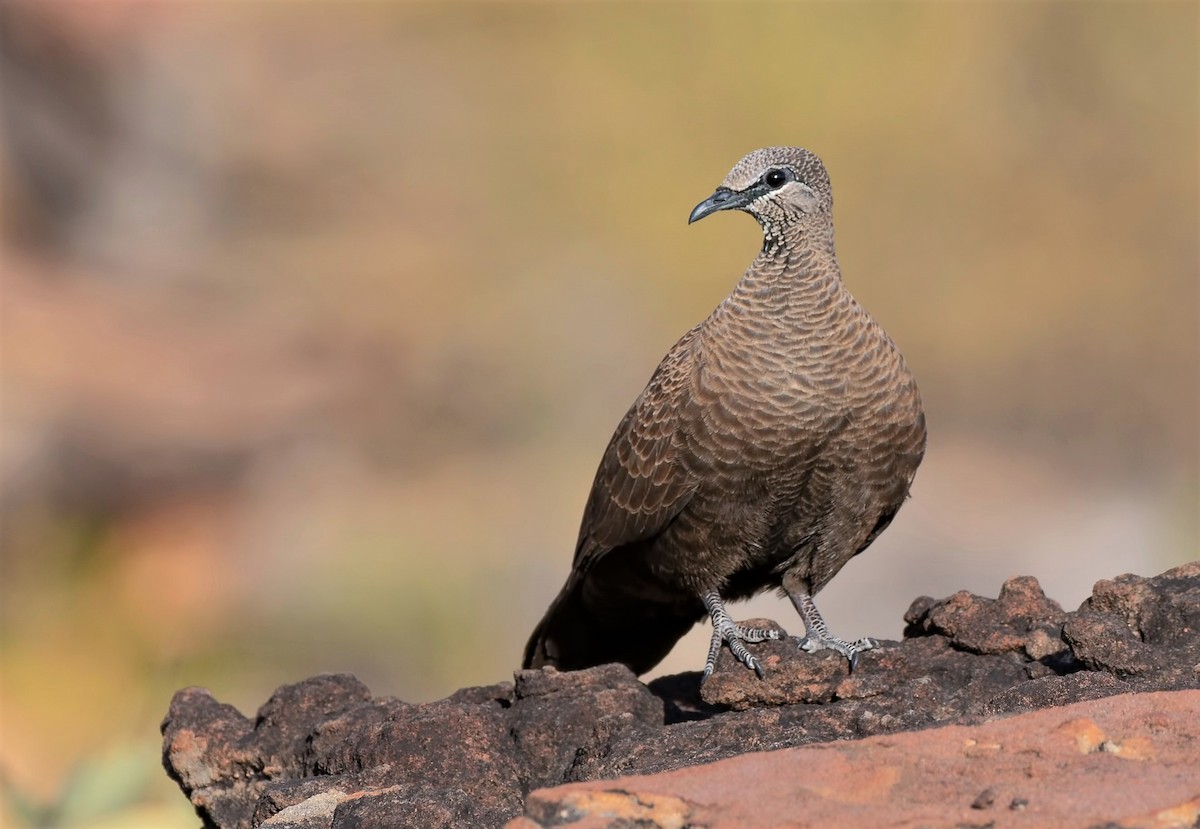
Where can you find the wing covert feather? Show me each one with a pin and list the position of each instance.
(642, 483)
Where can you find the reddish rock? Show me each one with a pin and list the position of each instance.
(1129, 761)
(1137, 628)
(1021, 618)
(324, 754)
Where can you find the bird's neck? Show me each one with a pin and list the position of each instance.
(795, 278)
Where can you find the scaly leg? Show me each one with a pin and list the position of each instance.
(724, 630)
(816, 632)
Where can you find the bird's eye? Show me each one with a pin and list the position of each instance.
(775, 178)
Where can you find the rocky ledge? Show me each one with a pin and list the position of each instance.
(325, 754)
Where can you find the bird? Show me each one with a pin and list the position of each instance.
(774, 442)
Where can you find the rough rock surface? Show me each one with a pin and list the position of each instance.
(1128, 761)
(325, 754)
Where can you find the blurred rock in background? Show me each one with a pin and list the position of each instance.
(317, 317)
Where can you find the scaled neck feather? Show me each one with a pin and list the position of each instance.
(796, 273)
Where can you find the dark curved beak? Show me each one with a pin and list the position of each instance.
(722, 199)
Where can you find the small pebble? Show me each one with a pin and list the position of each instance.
(985, 800)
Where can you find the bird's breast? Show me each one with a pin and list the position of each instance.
(765, 397)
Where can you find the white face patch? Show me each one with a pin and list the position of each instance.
(804, 196)
(796, 193)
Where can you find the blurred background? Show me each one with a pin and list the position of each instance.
(316, 318)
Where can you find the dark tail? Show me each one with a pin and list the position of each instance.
(594, 621)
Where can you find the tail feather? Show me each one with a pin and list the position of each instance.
(588, 625)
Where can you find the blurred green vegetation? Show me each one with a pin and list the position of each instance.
(316, 319)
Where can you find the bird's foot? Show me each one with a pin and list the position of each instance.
(817, 636)
(725, 631)
(850, 650)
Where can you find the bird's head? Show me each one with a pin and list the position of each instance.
(779, 186)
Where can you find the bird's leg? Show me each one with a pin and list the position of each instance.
(724, 630)
(816, 632)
